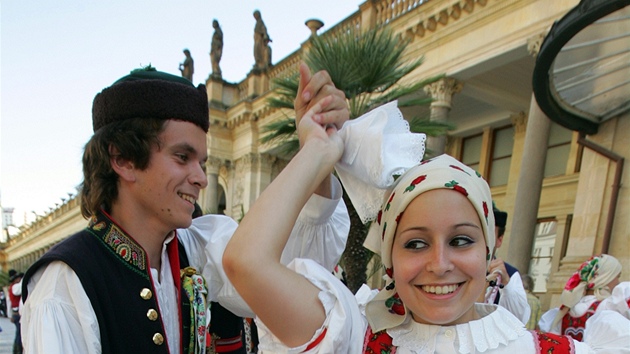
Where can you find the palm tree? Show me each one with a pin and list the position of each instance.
(367, 67)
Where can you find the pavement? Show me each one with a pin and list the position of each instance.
(7, 336)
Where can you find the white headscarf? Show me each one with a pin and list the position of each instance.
(594, 274)
(443, 172)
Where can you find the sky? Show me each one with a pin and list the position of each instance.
(55, 56)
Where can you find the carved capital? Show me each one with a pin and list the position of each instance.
(442, 91)
(213, 165)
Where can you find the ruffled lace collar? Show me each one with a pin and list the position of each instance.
(496, 327)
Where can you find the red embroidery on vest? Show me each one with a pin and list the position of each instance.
(549, 343)
(378, 343)
(574, 326)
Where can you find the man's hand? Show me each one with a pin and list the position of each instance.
(497, 266)
(314, 88)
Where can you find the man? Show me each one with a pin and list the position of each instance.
(506, 285)
(15, 292)
(533, 301)
(138, 279)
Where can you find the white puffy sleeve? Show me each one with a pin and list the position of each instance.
(547, 319)
(321, 230)
(58, 316)
(514, 298)
(618, 301)
(320, 234)
(608, 332)
(345, 325)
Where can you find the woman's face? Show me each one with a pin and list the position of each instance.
(439, 258)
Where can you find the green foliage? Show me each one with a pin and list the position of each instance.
(368, 68)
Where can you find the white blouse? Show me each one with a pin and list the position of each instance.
(58, 316)
(497, 332)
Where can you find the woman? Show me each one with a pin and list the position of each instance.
(435, 232)
(586, 288)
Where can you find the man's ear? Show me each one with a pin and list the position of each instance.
(125, 169)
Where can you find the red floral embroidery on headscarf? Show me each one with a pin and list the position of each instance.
(572, 282)
(389, 201)
(415, 182)
(485, 211)
(459, 168)
(378, 216)
(456, 187)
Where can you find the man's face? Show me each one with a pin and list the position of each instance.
(499, 241)
(169, 187)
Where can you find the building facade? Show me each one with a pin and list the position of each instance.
(555, 187)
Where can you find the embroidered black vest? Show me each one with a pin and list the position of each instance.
(115, 275)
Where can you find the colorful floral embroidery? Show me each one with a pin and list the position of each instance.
(415, 182)
(395, 305)
(125, 247)
(459, 168)
(586, 272)
(378, 343)
(485, 211)
(455, 186)
(384, 229)
(389, 201)
(195, 288)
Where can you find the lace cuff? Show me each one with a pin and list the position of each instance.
(378, 146)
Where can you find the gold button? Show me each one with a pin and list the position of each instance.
(146, 294)
(158, 339)
(152, 314)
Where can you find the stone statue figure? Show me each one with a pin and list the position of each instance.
(262, 51)
(216, 49)
(188, 66)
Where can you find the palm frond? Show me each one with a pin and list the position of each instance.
(429, 127)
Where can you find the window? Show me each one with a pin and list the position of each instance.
(503, 143)
(558, 149)
(471, 151)
(542, 253)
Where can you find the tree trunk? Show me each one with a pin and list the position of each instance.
(355, 257)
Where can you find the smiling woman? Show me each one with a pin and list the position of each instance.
(435, 236)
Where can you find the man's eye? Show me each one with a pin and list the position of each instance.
(182, 157)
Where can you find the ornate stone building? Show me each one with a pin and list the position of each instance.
(487, 50)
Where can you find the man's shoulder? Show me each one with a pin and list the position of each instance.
(510, 269)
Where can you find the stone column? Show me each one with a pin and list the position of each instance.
(211, 202)
(530, 179)
(442, 92)
(529, 187)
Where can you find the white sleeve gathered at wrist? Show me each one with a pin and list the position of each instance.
(378, 146)
(344, 324)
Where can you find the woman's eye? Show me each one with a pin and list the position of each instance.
(415, 244)
(462, 241)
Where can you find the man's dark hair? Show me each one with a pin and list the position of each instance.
(131, 140)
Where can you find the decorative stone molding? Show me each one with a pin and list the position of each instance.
(430, 21)
(442, 91)
(213, 165)
(534, 43)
